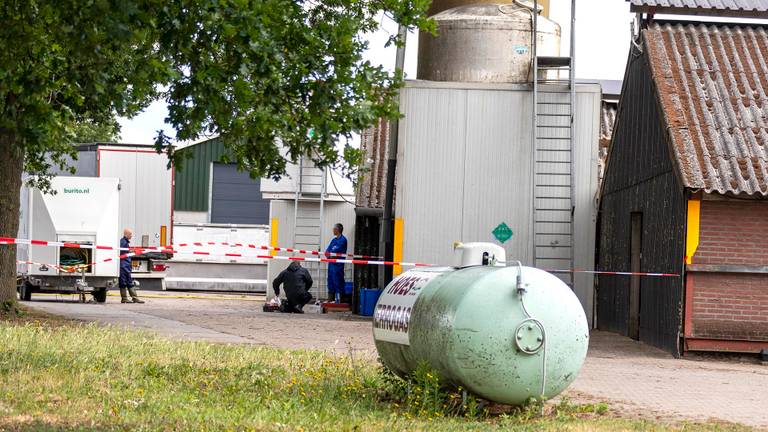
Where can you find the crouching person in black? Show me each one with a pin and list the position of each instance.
(296, 282)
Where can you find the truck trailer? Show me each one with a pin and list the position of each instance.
(146, 199)
(82, 211)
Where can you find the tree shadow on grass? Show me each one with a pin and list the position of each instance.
(27, 424)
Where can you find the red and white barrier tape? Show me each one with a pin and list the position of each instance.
(74, 268)
(280, 249)
(10, 240)
(7, 240)
(356, 261)
(266, 257)
(294, 258)
(599, 272)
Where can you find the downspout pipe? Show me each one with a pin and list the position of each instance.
(388, 217)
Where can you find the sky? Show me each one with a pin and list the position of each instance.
(602, 45)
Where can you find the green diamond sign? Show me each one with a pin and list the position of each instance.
(502, 232)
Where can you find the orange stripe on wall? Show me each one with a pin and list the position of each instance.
(397, 247)
(273, 226)
(692, 230)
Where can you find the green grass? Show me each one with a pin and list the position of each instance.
(59, 375)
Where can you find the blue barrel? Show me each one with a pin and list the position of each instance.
(368, 299)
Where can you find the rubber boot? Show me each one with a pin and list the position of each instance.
(135, 296)
(124, 296)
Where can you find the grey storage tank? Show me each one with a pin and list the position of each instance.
(489, 43)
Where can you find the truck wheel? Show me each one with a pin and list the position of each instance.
(25, 292)
(100, 296)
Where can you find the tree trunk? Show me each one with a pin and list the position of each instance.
(11, 166)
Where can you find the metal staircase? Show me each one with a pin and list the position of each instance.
(554, 95)
(308, 221)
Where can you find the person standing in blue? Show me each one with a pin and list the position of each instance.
(126, 279)
(338, 245)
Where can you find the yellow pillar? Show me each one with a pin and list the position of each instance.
(397, 247)
(273, 235)
(692, 231)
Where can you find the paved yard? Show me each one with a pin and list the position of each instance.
(634, 378)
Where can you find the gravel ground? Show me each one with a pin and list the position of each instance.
(635, 379)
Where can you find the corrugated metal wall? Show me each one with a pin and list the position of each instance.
(85, 165)
(431, 165)
(193, 178)
(640, 178)
(586, 156)
(145, 195)
(464, 167)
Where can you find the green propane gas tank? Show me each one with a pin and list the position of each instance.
(504, 333)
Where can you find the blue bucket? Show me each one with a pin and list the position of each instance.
(348, 288)
(368, 299)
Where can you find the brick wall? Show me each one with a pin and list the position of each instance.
(733, 232)
(731, 306)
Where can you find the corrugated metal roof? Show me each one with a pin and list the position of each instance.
(735, 5)
(712, 82)
(375, 143)
(607, 120)
(608, 111)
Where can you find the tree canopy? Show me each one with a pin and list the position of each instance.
(90, 132)
(255, 72)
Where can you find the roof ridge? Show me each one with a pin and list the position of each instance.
(720, 7)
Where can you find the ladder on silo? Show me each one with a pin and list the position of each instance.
(554, 98)
(308, 219)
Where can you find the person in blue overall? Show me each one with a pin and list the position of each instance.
(126, 279)
(337, 245)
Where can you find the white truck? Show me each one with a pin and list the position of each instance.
(146, 199)
(83, 211)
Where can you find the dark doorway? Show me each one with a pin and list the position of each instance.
(236, 197)
(635, 256)
(367, 230)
